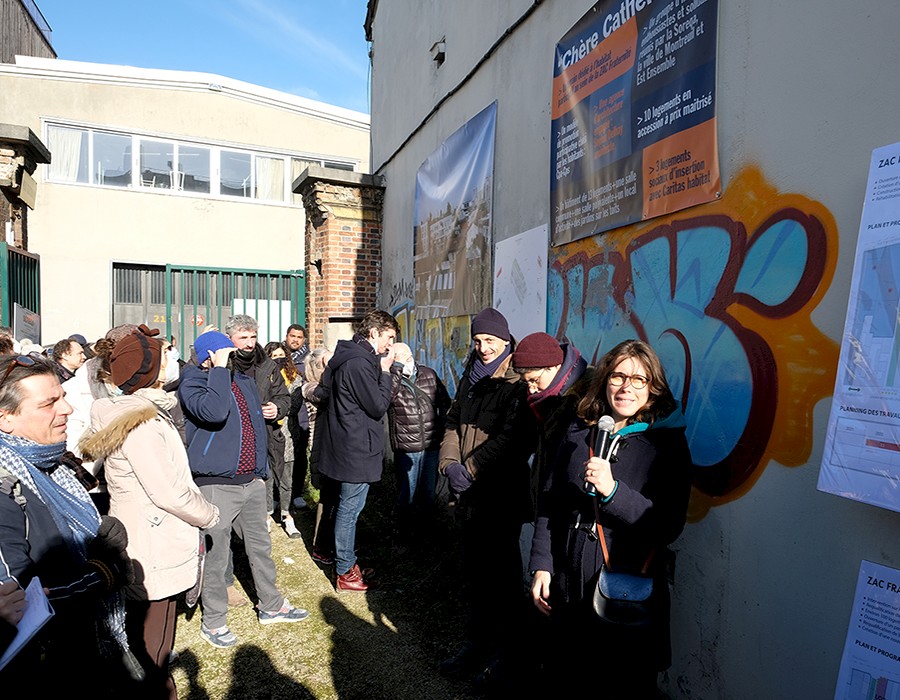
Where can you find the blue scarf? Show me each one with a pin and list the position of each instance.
(74, 513)
(479, 370)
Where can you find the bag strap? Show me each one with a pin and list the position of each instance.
(12, 487)
(601, 535)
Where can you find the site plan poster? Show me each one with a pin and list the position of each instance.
(870, 666)
(453, 222)
(861, 459)
(633, 131)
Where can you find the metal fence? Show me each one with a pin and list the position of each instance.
(183, 301)
(20, 282)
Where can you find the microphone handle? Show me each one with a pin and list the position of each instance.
(599, 451)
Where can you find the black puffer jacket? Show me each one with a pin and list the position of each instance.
(418, 410)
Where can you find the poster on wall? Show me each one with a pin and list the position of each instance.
(861, 459)
(453, 222)
(869, 666)
(520, 281)
(633, 109)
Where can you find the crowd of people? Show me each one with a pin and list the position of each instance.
(129, 476)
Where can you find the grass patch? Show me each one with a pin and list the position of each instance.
(381, 644)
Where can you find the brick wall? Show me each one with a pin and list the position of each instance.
(343, 247)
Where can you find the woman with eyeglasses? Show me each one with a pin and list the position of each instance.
(635, 495)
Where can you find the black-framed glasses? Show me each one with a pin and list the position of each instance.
(18, 361)
(533, 381)
(638, 381)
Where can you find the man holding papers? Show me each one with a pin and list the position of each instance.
(50, 530)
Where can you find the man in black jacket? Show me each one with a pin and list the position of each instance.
(352, 437)
(50, 530)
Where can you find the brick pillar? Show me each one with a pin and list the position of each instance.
(20, 153)
(343, 249)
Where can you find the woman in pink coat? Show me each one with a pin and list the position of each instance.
(151, 491)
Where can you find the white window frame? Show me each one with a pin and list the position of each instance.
(215, 153)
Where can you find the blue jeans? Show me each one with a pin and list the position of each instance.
(350, 505)
(415, 469)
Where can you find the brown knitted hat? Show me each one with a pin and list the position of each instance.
(537, 350)
(116, 334)
(135, 361)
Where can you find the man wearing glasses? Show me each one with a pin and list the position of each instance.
(51, 530)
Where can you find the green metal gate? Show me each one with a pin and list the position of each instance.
(198, 297)
(20, 282)
(182, 301)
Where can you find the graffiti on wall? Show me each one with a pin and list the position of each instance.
(443, 344)
(725, 298)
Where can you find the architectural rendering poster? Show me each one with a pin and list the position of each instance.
(633, 131)
(861, 459)
(520, 281)
(870, 666)
(453, 215)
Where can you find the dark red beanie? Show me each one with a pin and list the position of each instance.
(537, 350)
(492, 322)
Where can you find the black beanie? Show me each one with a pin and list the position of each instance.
(492, 322)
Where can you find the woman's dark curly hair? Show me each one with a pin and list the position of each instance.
(659, 404)
(290, 370)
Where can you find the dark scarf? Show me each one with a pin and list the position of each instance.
(245, 360)
(573, 366)
(479, 370)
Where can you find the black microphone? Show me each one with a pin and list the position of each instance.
(605, 426)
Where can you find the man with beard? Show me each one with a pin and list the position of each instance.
(249, 358)
(227, 456)
(484, 455)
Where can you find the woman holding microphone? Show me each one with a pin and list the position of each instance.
(621, 473)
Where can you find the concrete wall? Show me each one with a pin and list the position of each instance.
(80, 230)
(767, 566)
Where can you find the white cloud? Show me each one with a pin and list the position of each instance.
(269, 22)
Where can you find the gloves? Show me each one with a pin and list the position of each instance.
(458, 476)
(106, 552)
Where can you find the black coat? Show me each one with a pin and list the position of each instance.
(647, 513)
(31, 545)
(418, 410)
(491, 432)
(351, 447)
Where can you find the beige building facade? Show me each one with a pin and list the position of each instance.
(153, 167)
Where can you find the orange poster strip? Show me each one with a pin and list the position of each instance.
(612, 58)
(681, 171)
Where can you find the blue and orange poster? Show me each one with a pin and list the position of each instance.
(633, 131)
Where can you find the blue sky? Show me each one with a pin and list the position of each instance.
(310, 48)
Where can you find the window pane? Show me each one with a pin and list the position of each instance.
(156, 163)
(112, 159)
(193, 166)
(338, 166)
(297, 167)
(270, 179)
(235, 178)
(69, 154)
